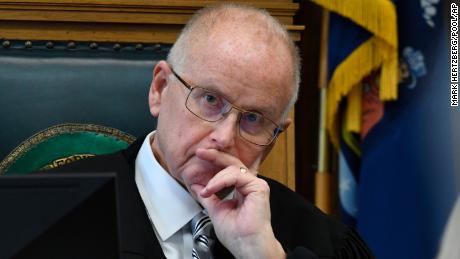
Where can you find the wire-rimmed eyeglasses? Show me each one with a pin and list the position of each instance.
(210, 106)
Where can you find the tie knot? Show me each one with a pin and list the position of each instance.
(203, 236)
(201, 225)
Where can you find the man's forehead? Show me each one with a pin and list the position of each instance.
(251, 68)
(229, 95)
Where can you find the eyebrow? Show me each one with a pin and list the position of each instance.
(265, 111)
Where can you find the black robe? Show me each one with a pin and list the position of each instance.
(302, 229)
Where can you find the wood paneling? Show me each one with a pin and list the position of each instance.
(142, 21)
(280, 163)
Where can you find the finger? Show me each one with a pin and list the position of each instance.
(245, 183)
(212, 203)
(223, 159)
(207, 202)
(218, 158)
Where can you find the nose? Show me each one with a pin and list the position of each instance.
(224, 132)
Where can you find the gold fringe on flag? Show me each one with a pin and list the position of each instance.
(380, 51)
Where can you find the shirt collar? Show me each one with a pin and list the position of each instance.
(168, 204)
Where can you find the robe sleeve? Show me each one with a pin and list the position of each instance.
(351, 246)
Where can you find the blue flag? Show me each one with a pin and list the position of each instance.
(407, 181)
(396, 159)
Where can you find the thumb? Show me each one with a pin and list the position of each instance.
(213, 204)
(209, 202)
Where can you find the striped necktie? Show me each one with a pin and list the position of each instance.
(203, 236)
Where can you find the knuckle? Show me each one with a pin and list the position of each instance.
(234, 168)
(264, 185)
(226, 171)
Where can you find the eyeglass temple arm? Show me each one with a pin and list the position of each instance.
(181, 80)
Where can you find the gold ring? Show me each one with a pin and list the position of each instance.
(243, 170)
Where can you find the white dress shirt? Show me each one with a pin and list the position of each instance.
(169, 206)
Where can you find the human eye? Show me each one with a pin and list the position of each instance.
(252, 122)
(211, 99)
(210, 104)
(252, 117)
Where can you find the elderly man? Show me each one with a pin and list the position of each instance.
(190, 189)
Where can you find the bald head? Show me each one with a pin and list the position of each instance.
(239, 37)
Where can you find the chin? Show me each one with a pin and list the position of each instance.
(199, 173)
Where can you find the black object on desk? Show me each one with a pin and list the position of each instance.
(58, 216)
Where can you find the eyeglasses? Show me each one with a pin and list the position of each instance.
(210, 106)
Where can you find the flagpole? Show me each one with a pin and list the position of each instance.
(323, 176)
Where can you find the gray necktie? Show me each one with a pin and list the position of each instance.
(203, 236)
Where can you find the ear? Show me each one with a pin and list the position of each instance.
(159, 83)
(269, 148)
(286, 124)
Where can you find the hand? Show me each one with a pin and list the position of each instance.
(242, 224)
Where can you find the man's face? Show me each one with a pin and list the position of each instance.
(252, 81)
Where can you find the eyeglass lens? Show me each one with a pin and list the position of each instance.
(210, 106)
